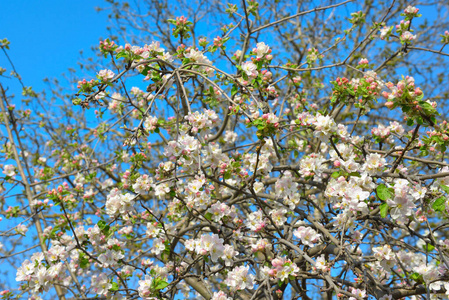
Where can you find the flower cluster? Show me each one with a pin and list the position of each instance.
(240, 278)
(105, 75)
(282, 268)
(307, 235)
(117, 203)
(410, 98)
(200, 121)
(212, 245)
(39, 275)
(262, 52)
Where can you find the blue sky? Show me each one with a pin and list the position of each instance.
(47, 35)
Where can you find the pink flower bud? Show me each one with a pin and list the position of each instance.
(389, 104)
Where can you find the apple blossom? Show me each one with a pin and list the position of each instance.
(250, 69)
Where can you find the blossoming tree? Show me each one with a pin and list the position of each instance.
(228, 170)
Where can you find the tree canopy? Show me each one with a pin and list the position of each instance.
(245, 150)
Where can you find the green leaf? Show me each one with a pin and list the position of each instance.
(110, 232)
(355, 174)
(420, 120)
(384, 193)
(427, 107)
(114, 287)
(121, 54)
(384, 209)
(435, 139)
(445, 188)
(336, 174)
(83, 260)
(439, 204)
(104, 227)
(161, 285)
(428, 247)
(101, 224)
(416, 276)
(234, 90)
(208, 216)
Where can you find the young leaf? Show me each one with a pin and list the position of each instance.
(445, 188)
(336, 174)
(416, 277)
(161, 285)
(234, 90)
(384, 210)
(439, 204)
(83, 260)
(384, 193)
(114, 287)
(428, 247)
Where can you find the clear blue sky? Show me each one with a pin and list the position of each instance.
(47, 35)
